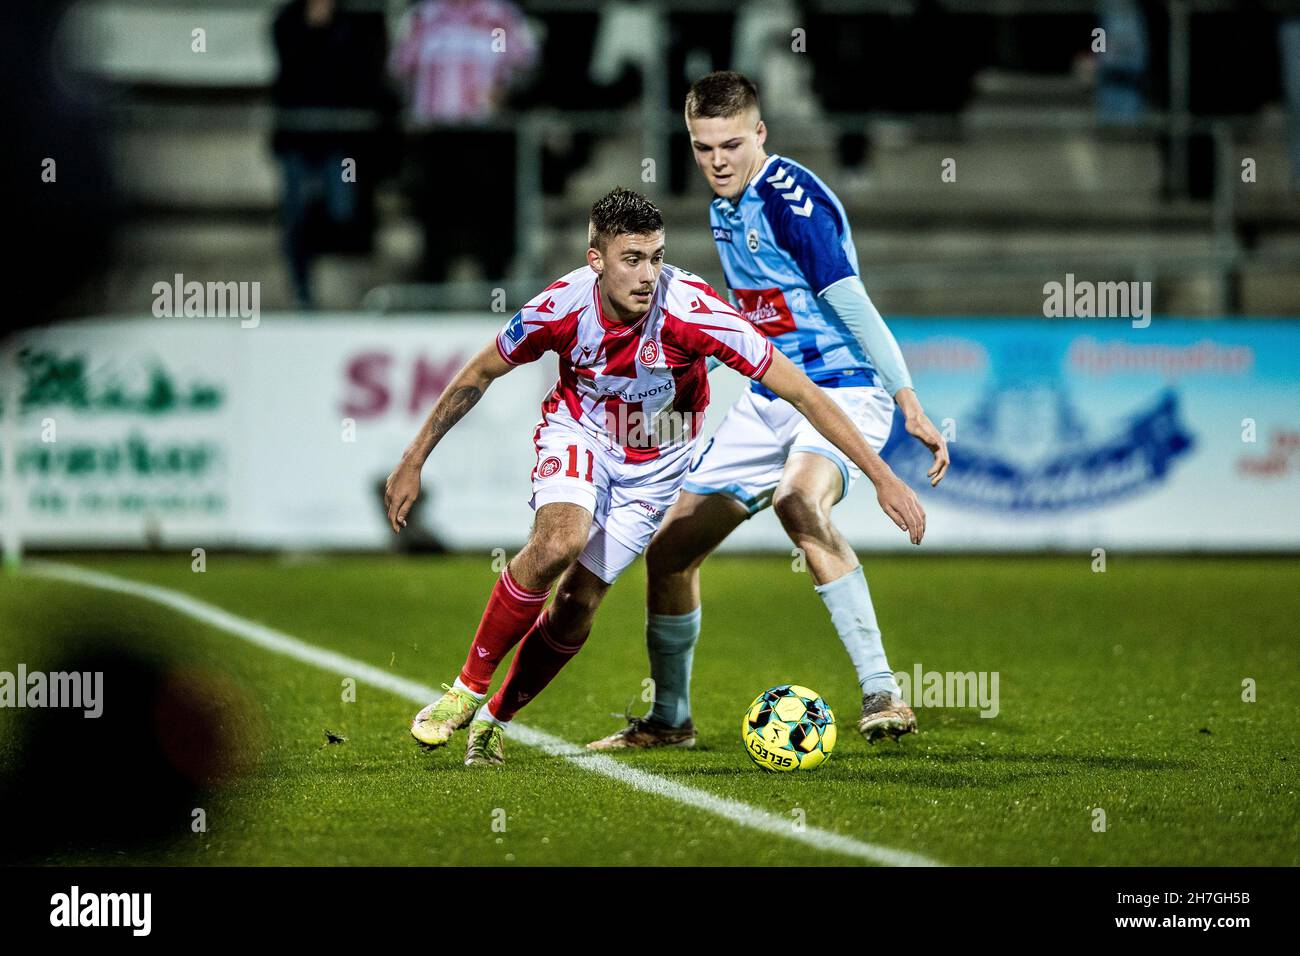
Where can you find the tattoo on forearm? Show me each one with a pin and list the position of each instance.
(448, 413)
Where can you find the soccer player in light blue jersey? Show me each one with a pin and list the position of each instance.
(788, 257)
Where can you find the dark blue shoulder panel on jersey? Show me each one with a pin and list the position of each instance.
(806, 224)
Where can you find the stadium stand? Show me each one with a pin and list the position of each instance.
(1042, 177)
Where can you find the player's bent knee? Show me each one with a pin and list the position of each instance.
(575, 606)
(548, 557)
(563, 552)
(666, 557)
(575, 602)
(794, 507)
(800, 514)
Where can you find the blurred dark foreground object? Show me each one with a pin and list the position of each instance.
(169, 736)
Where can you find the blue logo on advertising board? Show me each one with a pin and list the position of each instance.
(1024, 447)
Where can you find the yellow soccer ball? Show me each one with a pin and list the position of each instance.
(788, 728)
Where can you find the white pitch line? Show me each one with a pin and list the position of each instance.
(270, 639)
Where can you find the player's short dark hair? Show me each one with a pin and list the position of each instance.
(622, 212)
(721, 94)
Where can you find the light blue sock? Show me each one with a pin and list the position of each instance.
(849, 601)
(671, 638)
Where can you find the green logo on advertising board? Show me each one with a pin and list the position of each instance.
(51, 381)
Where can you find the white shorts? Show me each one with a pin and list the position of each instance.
(627, 501)
(747, 454)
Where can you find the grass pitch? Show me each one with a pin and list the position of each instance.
(1120, 691)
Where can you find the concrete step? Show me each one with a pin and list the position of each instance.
(153, 250)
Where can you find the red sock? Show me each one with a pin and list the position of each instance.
(511, 610)
(536, 663)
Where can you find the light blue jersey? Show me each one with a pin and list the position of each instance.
(782, 245)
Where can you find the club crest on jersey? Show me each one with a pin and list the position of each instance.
(515, 329)
(649, 353)
(548, 467)
(751, 240)
(721, 235)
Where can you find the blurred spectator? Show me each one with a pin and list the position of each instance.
(331, 101)
(699, 42)
(458, 60)
(567, 80)
(894, 61)
(1289, 40)
(51, 111)
(1122, 69)
(628, 37)
(766, 52)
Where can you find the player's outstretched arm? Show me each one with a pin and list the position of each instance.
(460, 395)
(849, 300)
(919, 426)
(896, 499)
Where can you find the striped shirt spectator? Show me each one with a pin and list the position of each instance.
(459, 57)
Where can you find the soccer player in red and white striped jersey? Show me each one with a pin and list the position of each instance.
(617, 434)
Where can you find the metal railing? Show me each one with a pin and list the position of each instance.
(1222, 263)
(656, 118)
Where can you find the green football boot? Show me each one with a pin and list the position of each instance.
(434, 725)
(487, 744)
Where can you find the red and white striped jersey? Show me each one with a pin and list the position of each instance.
(637, 388)
(459, 57)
